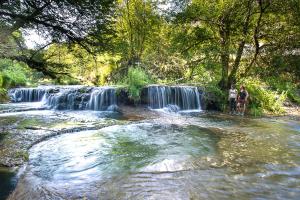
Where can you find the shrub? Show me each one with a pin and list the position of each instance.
(1, 80)
(3, 95)
(136, 79)
(12, 74)
(255, 110)
(285, 86)
(264, 99)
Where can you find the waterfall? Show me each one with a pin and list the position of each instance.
(103, 99)
(82, 98)
(174, 97)
(27, 94)
(63, 99)
(68, 97)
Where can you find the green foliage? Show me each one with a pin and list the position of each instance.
(255, 110)
(3, 95)
(88, 68)
(136, 26)
(204, 42)
(22, 154)
(67, 81)
(1, 80)
(287, 86)
(136, 79)
(264, 99)
(92, 17)
(12, 74)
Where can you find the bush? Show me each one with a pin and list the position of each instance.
(1, 80)
(3, 95)
(290, 88)
(255, 110)
(264, 99)
(12, 74)
(136, 79)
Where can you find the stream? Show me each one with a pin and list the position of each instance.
(148, 154)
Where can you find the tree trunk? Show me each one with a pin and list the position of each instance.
(224, 42)
(239, 53)
(236, 64)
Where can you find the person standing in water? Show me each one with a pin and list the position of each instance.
(242, 99)
(232, 99)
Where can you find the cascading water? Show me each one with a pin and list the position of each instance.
(68, 97)
(103, 99)
(27, 94)
(174, 97)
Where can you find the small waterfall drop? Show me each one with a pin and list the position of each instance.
(68, 97)
(103, 99)
(27, 94)
(174, 97)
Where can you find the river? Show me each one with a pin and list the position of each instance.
(146, 154)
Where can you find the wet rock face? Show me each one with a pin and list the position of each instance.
(210, 101)
(144, 96)
(123, 98)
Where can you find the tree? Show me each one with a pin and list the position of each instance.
(235, 24)
(135, 26)
(61, 20)
(87, 23)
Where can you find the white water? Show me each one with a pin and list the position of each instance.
(174, 98)
(68, 97)
(103, 98)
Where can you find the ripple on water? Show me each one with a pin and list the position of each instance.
(169, 161)
(92, 158)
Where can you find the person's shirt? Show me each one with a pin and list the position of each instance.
(232, 93)
(243, 95)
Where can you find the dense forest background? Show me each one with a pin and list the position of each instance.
(210, 43)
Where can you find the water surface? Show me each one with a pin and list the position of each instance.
(165, 156)
(8, 182)
(204, 157)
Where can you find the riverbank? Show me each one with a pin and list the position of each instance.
(292, 112)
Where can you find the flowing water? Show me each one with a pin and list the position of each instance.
(174, 98)
(165, 156)
(68, 97)
(7, 183)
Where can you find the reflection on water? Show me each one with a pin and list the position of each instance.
(7, 182)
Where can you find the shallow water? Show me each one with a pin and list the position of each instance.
(7, 183)
(172, 156)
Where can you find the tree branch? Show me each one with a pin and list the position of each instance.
(256, 34)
